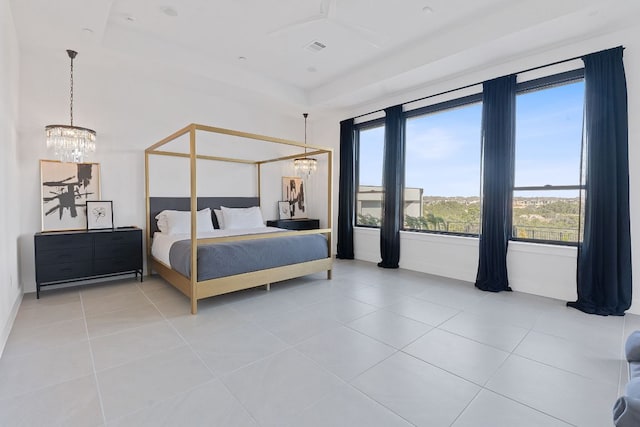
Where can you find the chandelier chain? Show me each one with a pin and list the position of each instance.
(71, 93)
(305, 115)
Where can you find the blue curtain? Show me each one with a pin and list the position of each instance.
(346, 192)
(498, 157)
(392, 187)
(604, 257)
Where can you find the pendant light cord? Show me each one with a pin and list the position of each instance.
(72, 54)
(71, 94)
(305, 115)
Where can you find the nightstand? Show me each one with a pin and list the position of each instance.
(295, 224)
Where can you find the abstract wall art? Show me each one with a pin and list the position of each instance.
(293, 193)
(65, 190)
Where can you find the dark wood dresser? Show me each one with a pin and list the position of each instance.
(78, 255)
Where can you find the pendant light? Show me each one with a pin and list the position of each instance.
(71, 143)
(305, 165)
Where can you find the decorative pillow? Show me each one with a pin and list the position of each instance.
(633, 388)
(235, 218)
(179, 222)
(219, 218)
(163, 224)
(632, 347)
(626, 412)
(162, 221)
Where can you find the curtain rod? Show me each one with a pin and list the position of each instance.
(478, 83)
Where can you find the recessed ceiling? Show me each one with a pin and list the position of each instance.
(373, 47)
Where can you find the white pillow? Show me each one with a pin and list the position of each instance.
(235, 218)
(179, 222)
(220, 218)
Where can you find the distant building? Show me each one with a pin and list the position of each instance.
(369, 201)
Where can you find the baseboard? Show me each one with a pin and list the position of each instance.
(9, 325)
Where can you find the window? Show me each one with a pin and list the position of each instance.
(442, 167)
(443, 164)
(547, 192)
(369, 160)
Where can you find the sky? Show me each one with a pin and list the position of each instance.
(443, 148)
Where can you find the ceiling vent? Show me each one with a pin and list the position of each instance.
(315, 46)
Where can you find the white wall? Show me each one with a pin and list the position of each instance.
(10, 292)
(538, 269)
(130, 108)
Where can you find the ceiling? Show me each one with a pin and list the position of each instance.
(374, 48)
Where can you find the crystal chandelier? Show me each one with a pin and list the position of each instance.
(305, 164)
(71, 143)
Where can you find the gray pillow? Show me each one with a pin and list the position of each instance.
(633, 389)
(634, 370)
(626, 412)
(632, 347)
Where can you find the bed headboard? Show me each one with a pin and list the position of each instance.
(158, 204)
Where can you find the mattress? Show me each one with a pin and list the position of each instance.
(162, 242)
(230, 258)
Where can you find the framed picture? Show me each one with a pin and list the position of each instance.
(99, 214)
(283, 210)
(293, 193)
(65, 189)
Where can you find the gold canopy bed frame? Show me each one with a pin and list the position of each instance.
(190, 286)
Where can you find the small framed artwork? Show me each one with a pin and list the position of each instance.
(64, 190)
(99, 214)
(293, 193)
(283, 210)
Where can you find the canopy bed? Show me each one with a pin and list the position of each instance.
(245, 254)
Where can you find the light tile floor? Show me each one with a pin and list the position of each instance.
(372, 347)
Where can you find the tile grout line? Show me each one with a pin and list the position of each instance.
(93, 363)
(357, 390)
(188, 344)
(513, 353)
(457, 334)
(611, 383)
(529, 406)
(348, 383)
(420, 321)
(462, 411)
(402, 350)
(484, 387)
(443, 369)
(288, 347)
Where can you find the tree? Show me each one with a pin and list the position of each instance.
(437, 222)
(368, 219)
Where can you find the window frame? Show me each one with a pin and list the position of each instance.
(359, 127)
(437, 108)
(542, 83)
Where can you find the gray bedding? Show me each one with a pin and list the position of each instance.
(229, 258)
